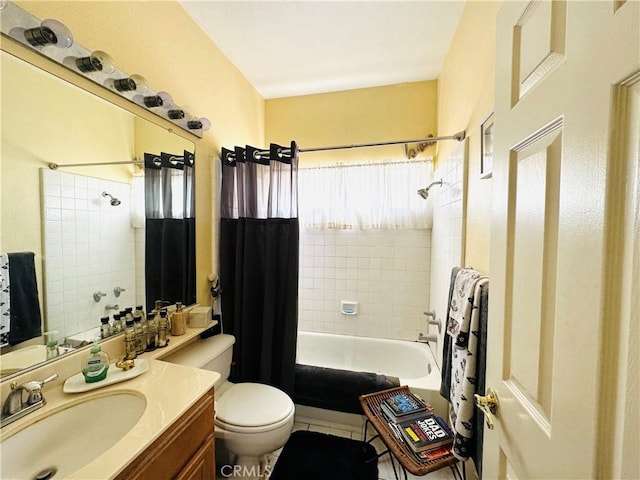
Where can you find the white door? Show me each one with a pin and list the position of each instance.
(557, 66)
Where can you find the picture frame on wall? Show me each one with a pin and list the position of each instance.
(486, 147)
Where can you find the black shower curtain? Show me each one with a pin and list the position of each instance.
(170, 266)
(259, 244)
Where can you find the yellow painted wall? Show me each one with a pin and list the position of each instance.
(151, 139)
(368, 115)
(158, 40)
(465, 98)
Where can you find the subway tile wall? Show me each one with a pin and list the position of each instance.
(447, 233)
(386, 271)
(89, 246)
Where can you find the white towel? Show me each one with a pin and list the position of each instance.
(463, 377)
(461, 306)
(5, 302)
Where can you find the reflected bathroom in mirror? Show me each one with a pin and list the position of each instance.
(85, 225)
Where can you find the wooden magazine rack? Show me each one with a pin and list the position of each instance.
(401, 451)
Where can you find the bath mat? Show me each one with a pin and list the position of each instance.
(318, 456)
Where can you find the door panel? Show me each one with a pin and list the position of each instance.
(532, 317)
(556, 65)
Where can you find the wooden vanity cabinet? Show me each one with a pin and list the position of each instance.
(184, 451)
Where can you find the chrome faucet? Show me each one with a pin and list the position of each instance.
(430, 337)
(433, 320)
(16, 406)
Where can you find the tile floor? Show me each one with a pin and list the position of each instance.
(385, 471)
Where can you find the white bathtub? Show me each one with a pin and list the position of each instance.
(411, 362)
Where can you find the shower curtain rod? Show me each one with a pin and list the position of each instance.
(156, 161)
(460, 136)
(55, 166)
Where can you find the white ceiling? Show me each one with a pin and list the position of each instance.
(290, 48)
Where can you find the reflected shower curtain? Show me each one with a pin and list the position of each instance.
(259, 244)
(170, 262)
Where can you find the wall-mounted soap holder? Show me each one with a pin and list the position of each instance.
(348, 307)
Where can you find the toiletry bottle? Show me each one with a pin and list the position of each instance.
(105, 328)
(117, 324)
(140, 336)
(178, 321)
(163, 329)
(139, 312)
(96, 365)
(130, 341)
(138, 315)
(52, 345)
(152, 332)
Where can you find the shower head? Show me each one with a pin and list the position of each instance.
(114, 201)
(424, 192)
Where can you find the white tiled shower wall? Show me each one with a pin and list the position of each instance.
(386, 271)
(447, 233)
(89, 246)
(395, 275)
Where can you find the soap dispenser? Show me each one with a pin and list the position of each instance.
(52, 344)
(96, 365)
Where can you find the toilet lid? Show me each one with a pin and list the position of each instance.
(253, 405)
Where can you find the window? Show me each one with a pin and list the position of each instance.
(380, 195)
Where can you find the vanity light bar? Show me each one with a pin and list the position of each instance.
(53, 40)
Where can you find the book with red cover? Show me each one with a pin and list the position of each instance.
(427, 433)
(438, 452)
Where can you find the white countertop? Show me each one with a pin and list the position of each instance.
(169, 389)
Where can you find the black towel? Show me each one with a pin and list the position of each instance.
(481, 374)
(445, 370)
(26, 320)
(335, 389)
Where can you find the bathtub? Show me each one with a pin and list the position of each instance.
(411, 362)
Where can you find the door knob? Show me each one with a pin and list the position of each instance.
(488, 404)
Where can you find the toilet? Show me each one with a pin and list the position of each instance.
(251, 419)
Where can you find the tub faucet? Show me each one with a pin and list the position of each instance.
(15, 407)
(433, 320)
(430, 337)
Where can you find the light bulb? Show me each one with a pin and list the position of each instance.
(176, 113)
(161, 99)
(50, 32)
(96, 62)
(199, 123)
(134, 83)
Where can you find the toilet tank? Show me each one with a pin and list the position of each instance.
(213, 353)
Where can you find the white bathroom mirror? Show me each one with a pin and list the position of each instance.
(92, 247)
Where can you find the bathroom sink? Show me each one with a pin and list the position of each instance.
(70, 438)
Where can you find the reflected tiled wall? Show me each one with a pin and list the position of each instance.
(386, 271)
(88, 246)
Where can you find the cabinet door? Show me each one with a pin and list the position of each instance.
(202, 465)
(171, 454)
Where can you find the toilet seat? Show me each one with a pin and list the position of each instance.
(253, 408)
